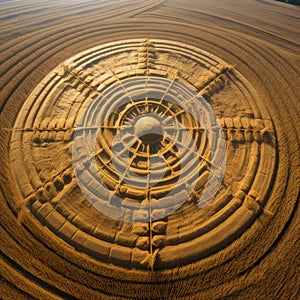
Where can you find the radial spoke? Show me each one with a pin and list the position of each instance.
(129, 166)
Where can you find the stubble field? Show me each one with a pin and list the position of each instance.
(67, 63)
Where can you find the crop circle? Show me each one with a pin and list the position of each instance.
(119, 108)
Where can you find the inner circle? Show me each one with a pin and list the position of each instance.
(148, 129)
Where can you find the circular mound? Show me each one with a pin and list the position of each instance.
(148, 129)
(120, 152)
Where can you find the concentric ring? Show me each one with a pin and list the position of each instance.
(83, 103)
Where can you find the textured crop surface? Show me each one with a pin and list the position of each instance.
(208, 91)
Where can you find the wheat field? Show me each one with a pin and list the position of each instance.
(72, 227)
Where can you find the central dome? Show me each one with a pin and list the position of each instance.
(148, 129)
